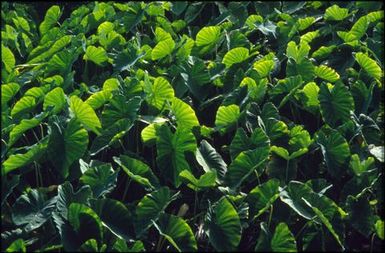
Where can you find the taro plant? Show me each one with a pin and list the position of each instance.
(192, 126)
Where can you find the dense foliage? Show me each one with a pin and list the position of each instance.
(180, 126)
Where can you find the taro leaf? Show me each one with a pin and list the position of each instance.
(359, 166)
(55, 98)
(246, 163)
(8, 91)
(32, 209)
(50, 19)
(297, 53)
(377, 152)
(115, 216)
(162, 49)
(7, 186)
(208, 36)
(120, 108)
(283, 240)
(65, 197)
(126, 59)
(310, 91)
(120, 245)
(85, 224)
(17, 161)
(91, 245)
(184, 115)
(380, 229)
(150, 207)
(157, 93)
(326, 222)
(206, 180)
(262, 197)
(171, 148)
(323, 52)
(361, 216)
(17, 246)
(96, 54)
(263, 241)
(335, 150)
(223, 226)
(138, 171)
(85, 114)
(335, 104)
(7, 58)
(241, 142)
(235, 55)
(23, 105)
(336, 13)
(24, 125)
(66, 145)
(101, 178)
(369, 65)
(226, 116)
(263, 67)
(211, 160)
(177, 232)
(110, 135)
(326, 73)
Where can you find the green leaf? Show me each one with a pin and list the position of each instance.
(262, 197)
(101, 178)
(7, 58)
(263, 67)
(51, 18)
(17, 246)
(335, 150)
(283, 240)
(369, 65)
(24, 125)
(208, 35)
(297, 53)
(32, 209)
(67, 145)
(115, 216)
(335, 104)
(177, 232)
(18, 161)
(184, 114)
(121, 246)
(326, 222)
(8, 91)
(162, 49)
(311, 90)
(223, 226)
(96, 54)
(55, 98)
(206, 180)
(138, 171)
(211, 160)
(282, 152)
(359, 166)
(171, 148)
(246, 163)
(227, 116)
(7, 186)
(326, 73)
(336, 13)
(150, 207)
(361, 217)
(235, 55)
(323, 52)
(380, 229)
(85, 114)
(159, 92)
(25, 104)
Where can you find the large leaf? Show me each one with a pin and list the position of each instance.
(226, 116)
(51, 18)
(246, 163)
(32, 209)
(55, 98)
(85, 114)
(326, 73)
(177, 232)
(223, 226)
(8, 91)
(171, 148)
(67, 145)
(101, 178)
(369, 65)
(206, 180)
(208, 35)
(162, 49)
(235, 55)
(210, 160)
(138, 171)
(184, 114)
(150, 207)
(25, 104)
(115, 216)
(96, 54)
(283, 240)
(157, 93)
(336, 104)
(262, 197)
(7, 58)
(336, 13)
(24, 125)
